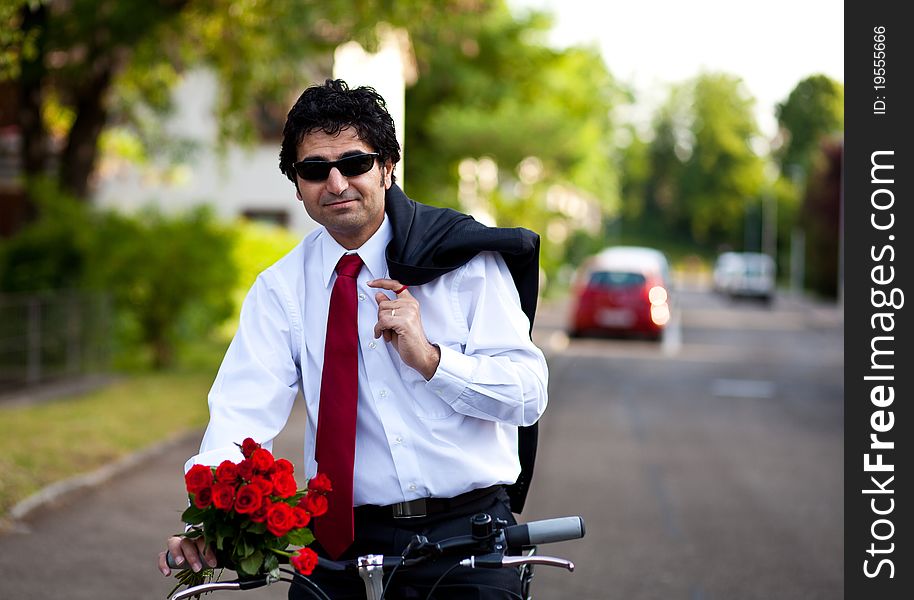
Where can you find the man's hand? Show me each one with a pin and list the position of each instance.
(400, 322)
(187, 552)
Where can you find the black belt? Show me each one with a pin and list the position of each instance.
(423, 507)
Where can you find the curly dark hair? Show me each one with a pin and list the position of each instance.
(332, 107)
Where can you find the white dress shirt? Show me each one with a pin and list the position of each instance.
(414, 438)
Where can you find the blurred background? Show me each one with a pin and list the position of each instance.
(140, 196)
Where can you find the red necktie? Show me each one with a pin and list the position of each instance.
(335, 445)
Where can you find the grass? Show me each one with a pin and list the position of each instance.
(53, 440)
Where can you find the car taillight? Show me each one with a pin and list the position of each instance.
(660, 314)
(657, 295)
(660, 310)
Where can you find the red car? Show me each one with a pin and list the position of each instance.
(622, 290)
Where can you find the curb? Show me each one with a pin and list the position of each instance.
(55, 491)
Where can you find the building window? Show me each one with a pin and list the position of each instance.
(262, 215)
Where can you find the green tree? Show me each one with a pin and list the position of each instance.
(813, 109)
(811, 123)
(723, 173)
(79, 65)
(490, 88)
(670, 146)
(705, 172)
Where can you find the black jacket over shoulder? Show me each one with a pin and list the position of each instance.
(429, 241)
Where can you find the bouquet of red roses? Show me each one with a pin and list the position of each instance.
(253, 513)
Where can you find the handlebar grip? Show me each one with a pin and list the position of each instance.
(544, 532)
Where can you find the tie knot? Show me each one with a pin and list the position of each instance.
(349, 265)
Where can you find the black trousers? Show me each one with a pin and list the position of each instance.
(389, 537)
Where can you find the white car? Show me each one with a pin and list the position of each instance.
(745, 275)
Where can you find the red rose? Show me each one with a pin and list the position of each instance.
(315, 504)
(223, 496)
(304, 561)
(301, 517)
(227, 472)
(265, 485)
(260, 515)
(203, 498)
(198, 477)
(248, 499)
(246, 469)
(280, 519)
(320, 483)
(283, 484)
(262, 460)
(248, 446)
(283, 465)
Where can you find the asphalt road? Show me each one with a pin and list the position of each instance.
(708, 466)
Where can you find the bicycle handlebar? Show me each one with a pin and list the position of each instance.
(516, 537)
(544, 532)
(486, 551)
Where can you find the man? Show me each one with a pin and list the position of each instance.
(438, 376)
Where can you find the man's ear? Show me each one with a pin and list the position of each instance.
(297, 191)
(387, 171)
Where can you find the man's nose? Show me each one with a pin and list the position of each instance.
(337, 183)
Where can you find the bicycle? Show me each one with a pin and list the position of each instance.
(492, 544)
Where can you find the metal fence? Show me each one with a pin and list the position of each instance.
(48, 337)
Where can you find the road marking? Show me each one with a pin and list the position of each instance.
(743, 388)
(672, 337)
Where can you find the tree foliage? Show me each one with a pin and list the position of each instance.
(80, 65)
(703, 168)
(490, 89)
(814, 109)
(488, 86)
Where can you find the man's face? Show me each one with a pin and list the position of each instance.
(351, 208)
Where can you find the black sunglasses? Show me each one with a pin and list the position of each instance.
(350, 166)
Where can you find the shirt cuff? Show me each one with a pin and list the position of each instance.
(212, 458)
(454, 374)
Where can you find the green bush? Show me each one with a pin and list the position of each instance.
(257, 246)
(171, 278)
(51, 253)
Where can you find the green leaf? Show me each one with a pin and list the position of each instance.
(257, 528)
(192, 534)
(251, 564)
(193, 515)
(223, 530)
(300, 537)
(245, 549)
(270, 563)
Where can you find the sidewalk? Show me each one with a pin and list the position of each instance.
(100, 541)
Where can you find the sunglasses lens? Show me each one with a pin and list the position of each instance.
(355, 165)
(313, 170)
(319, 170)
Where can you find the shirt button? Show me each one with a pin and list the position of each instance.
(372, 345)
(362, 296)
(398, 439)
(412, 487)
(383, 394)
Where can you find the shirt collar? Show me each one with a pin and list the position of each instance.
(372, 252)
